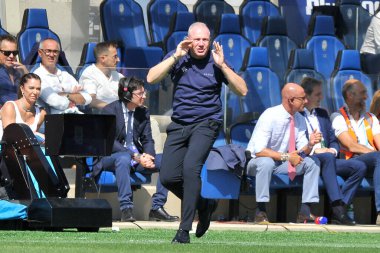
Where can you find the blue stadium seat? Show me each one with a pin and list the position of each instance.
(123, 21)
(274, 37)
(2, 30)
(87, 58)
(35, 28)
(324, 43)
(301, 64)
(347, 67)
(252, 13)
(263, 84)
(233, 42)
(159, 15)
(209, 11)
(106, 181)
(214, 184)
(356, 20)
(240, 132)
(179, 25)
(233, 106)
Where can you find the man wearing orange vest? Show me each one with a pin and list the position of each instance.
(359, 132)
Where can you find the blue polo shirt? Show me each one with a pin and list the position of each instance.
(197, 88)
(8, 90)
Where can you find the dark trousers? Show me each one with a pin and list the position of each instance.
(372, 161)
(353, 172)
(120, 163)
(328, 172)
(185, 151)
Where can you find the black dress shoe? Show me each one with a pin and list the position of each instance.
(342, 219)
(205, 216)
(182, 236)
(161, 215)
(127, 215)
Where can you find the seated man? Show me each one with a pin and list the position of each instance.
(133, 149)
(359, 133)
(276, 143)
(59, 90)
(326, 151)
(10, 69)
(101, 80)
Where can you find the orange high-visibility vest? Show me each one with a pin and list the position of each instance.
(351, 132)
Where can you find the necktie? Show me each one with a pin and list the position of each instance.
(129, 139)
(292, 147)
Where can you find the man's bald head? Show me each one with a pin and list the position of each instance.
(291, 90)
(293, 98)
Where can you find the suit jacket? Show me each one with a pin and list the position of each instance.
(142, 132)
(326, 129)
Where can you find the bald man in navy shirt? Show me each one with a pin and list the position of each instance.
(197, 73)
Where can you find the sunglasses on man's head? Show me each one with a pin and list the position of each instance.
(8, 53)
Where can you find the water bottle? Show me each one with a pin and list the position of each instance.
(321, 220)
(323, 144)
(350, 212)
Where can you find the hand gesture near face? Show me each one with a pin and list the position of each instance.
(217, 54)
(183, 47)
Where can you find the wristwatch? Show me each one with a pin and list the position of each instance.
(136, 156)
(285, 157)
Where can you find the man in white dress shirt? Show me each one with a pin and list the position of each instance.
(269, 146)
(101, 79)
(358, 132)
(60, 91)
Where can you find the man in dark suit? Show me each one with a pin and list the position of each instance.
(326, 152)
(133, 149)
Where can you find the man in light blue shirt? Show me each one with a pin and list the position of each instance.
(269, 148)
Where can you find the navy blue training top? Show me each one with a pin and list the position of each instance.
(197, 87)
(8, 90)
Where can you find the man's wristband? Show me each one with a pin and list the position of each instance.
(68, 96)
(285, 157)
(310, 146)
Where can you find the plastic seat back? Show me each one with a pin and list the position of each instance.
(209, 11)
(87, 58)
(324, 43)
(347, 67)
(123, 20)
(179, 26)
(274, 37)
(159, 15)
(2, 30)
(263, 84)
(35, 27)
(356, 20)
(301, 65)
(233, 42)
(252, 13)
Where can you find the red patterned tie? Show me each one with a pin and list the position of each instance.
(292, 147)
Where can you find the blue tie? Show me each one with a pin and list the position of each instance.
(129, 139)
